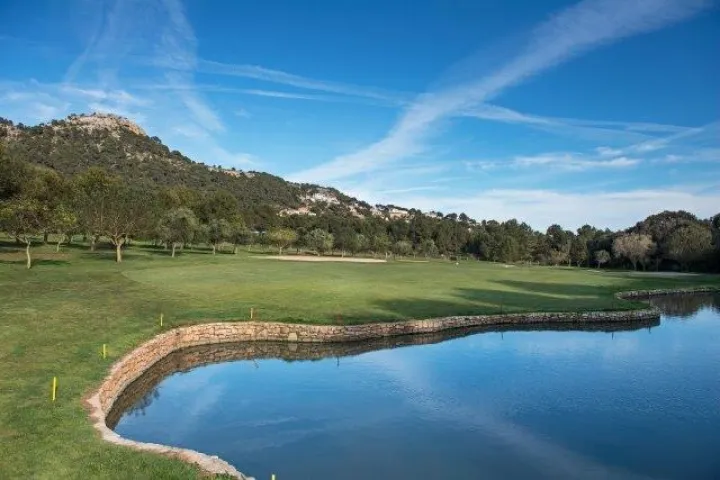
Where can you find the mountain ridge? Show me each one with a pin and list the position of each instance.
(118, 144)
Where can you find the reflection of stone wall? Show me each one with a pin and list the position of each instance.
(686, 305)
(132, 366)
(188, 358)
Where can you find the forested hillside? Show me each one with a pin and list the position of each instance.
(101, 176)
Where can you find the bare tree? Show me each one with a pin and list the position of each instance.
(602, 257)
(636, 247)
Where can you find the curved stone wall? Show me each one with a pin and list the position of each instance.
(129, 368)
(190, 358)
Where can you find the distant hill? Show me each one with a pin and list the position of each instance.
(117, 144)
(666, 240)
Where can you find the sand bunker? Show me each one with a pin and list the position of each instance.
(308, 258)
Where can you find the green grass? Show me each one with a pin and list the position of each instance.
(55, 317)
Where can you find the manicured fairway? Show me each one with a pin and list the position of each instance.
(55, 317)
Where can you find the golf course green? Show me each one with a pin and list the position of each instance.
(55, 317)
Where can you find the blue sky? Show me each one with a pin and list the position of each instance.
(600, 111)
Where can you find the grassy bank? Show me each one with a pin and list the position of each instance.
(55, 317)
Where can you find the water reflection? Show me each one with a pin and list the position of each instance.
(686, 305)
(140, 394)
(559, 401)
(140, 405)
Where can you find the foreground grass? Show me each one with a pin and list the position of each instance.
(55, 317)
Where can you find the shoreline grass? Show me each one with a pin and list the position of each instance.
(55, 317)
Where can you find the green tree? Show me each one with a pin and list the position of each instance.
(344, 238)
(507, 249)
(177, 227)
(282, 237)
(320, 240)
(93, 192)
(559, 242)
(126, 211)
(715, 224)
(217, 232)
(579, 250)
(240, 234)
(218, 205)
(381, 244)
(428, 248)
(358, 244)
(689, 244)
(402, 248)
(602, 257)
(14, 175)
(25, 218)
(62, 221)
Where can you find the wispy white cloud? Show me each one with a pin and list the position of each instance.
(120, 96)
(200, 110)
(480, 165)
(712, 130)
(44, 111)
(575, 30)
(608, 152)
(256, 72)
(226, 158)
(572, 161)
(32, 102)
(177, 47)
(279, 94)
(692, 155)
(40, 102)
(568, 161)
(547, 458)
(100, 107)
(543, 207)
(120, 28)
(260, 92)
(601, 130)
(177, 50)
(190, 131)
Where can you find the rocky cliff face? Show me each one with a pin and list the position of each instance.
(104, 121)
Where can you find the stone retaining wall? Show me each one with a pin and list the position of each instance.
(134, 364)
(641, 294)
(186, 359)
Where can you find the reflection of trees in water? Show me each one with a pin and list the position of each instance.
(685, 306)
(139, 407)
(145, 389)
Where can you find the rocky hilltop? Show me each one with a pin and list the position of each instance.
(73, 144)
(104, 121)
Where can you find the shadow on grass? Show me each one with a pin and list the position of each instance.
(540, 297)
(35, 262)
(535, 298)
(559, 289)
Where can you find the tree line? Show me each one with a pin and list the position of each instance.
(37, 201)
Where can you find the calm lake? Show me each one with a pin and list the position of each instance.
(624, 401)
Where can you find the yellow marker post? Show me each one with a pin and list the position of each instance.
(252, 313)
(104, 350)
(273, 476)
(54, 388)
(161, 319)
